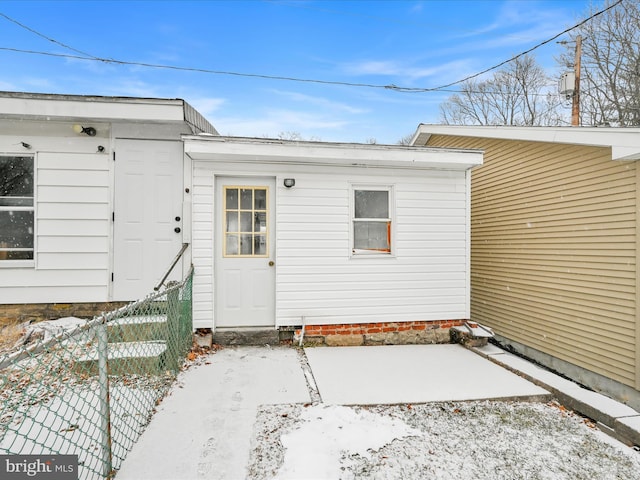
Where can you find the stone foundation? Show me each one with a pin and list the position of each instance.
(383, 333)
(36, 312)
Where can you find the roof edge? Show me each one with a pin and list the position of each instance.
(623, 141)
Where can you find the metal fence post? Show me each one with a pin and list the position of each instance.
(105, 408)
(173, 324)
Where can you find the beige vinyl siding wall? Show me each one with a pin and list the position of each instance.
(553, 257)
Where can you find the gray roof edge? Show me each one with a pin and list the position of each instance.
(197, 121)
(324, 144)
(89, 98)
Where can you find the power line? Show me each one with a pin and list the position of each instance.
(197, 70)
(239, 74)
(35, 32)
(530, 50)
(442, 88)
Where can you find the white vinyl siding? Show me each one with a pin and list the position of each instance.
(72, 229)
(426, 279)
(316, 275)
(202, 247)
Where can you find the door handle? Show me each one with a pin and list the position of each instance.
(177, 229)
(271, 263)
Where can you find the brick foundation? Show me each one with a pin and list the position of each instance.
(18, 313)
(383, 333)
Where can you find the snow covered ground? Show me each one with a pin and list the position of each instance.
(253, 413)
(461, 440)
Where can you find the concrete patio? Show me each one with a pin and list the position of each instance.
(203, 429)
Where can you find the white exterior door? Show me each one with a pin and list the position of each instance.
(147, 215)
(245, 252)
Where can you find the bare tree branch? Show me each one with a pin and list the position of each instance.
(514, 95)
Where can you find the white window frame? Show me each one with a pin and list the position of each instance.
(266, 211)
(30, 262)
(391, 220)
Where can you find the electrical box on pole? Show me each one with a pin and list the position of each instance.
(567, 85)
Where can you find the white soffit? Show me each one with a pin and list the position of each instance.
(254, 150)
(624, 142)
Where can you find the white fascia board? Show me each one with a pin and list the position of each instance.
(623, 141)
(243, 150)
(148, 110)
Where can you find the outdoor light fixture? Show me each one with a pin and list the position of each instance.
(289, 182)
(26, 145)
(86, 130)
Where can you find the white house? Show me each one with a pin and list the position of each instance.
(98, 196)
(345, 239)
(91, 197)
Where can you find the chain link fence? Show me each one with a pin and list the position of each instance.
(92, 390)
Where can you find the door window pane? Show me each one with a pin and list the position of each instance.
(260, 245)
(232, 198)
(246, 199)
(246, 246)
(260, 222)
(260, 199)
(246, 215)
(246, 221)
(232, 222)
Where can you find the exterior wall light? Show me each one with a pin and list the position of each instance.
(289, 182)
(86, 130)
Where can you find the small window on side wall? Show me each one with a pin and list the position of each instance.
(371, 220)
(16, 207)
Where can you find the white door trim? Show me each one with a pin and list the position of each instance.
(244, 285)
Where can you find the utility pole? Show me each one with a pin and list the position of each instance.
(575, 107)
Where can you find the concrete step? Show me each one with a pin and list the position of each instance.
(246, 336)
(138, 328)
(140, 358)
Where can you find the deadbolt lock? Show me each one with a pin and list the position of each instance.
(271, 263)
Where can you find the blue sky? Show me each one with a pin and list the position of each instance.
(415, 44)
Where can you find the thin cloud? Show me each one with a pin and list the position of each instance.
(418, 7)
(319, 101)
(536, 22)
(274, 122)
(391, 68)
(206, 105)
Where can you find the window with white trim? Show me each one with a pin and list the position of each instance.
(371, 218)
(245, 221)
(16, 207)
